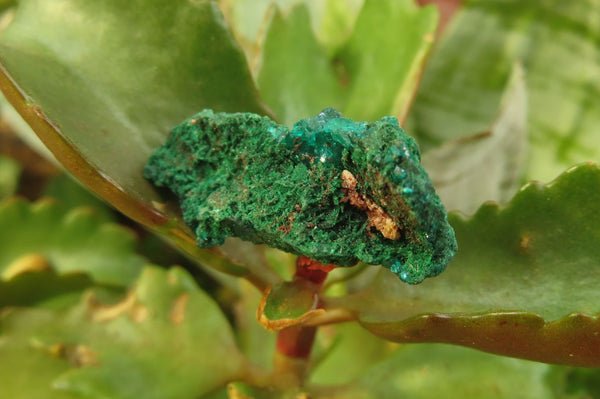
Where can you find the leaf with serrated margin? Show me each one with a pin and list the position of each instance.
(523, 282)
(47, 289)
(27, 371)
(165, 339)
(102, 92)
(43, 236)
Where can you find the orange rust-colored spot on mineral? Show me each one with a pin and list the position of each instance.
(377, 217)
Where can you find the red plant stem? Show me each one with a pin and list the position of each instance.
(296, 342)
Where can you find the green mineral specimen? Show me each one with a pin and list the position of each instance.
(332, 189)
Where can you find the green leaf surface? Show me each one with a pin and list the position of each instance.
(288, 303)
(43, 288)
(332, 21)
(27, 371)
(555, 41)
(374, 74)
(296, 78)
(4, 4)
(335, 21)
(248, 19)
(443, 371)
(166, 339)
(103, 91)
(44, 236)
(257, 343)
(574, 382)
(10, 170)
(523, 282)
(70, 194)
(385, 56)
(487, 166)
(347, 352)
(20, 128)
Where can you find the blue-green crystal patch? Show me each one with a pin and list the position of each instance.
(332, 189)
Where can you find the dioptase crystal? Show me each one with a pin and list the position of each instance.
(334, 190)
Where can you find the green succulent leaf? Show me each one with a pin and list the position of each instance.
(374, 74)
(443, 371)
(43, 289)
(288, 304)
(248, 20)
(555, 41)
(102, 92)
(332, 21)
(347, 347)
(44, 236)
(22, 130)
(335, 21)
(26, 371)
(489, 165)
(523, 282)
(4, 4)
(385, 56)
(574, 382)
(165, 339)
(257, 343)
(10, 171)
(70, 194)
(289, 51)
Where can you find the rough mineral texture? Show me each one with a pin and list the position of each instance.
(332, 189)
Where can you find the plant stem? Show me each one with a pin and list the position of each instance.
(294, 344)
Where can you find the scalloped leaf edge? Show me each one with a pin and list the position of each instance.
(572, 340)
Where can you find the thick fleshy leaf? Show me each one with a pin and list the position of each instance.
(334, 21)
(70, 194)
(296, 78)
(440, 371)
(331, 20)
(9, 177)
(166, 339)
(23, 131)
(288, 304)
(523, 282)
(25, 370)
(575, 382)
(255, 341)
(487, 166)
(248, 20)
(556, 41)
(384, 57)
(43, 289)
(44, 236)
(4, 4)
(344, 352)
(375, 73)
(102, 91)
